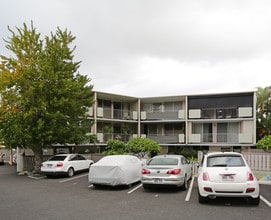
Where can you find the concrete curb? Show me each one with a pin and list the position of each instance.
(264, 182)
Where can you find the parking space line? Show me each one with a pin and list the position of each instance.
(73, 178)
(265, 201)
(134, 189)
(37, 178)
(189, 190)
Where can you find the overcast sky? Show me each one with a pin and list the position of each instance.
(148, 48)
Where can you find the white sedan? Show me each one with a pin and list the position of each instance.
(65, 164)
(226, 174)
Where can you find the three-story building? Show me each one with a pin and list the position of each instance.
(207, 122)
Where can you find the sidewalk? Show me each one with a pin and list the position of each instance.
(264, 177)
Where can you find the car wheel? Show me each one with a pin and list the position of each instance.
(185, 184)
(255, 201)
(202, 199)
(145, 187)
(70, 172)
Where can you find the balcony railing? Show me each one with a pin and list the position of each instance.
(227, 138)
(169, 115)
(105, 137)
(219, 113)
(166, 139)
(220, 138)
(115, 114)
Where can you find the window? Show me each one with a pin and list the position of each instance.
(225, 161)
(157, 107)
(172, 106)
(163, 161)
(153, 130)
(57, 158)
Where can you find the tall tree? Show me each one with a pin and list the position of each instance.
(263, 112)
(44, 99)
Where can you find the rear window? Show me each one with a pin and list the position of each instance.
(57, 158)
(225, 161)
(163, 161)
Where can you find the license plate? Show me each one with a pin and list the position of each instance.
(227, 177)
(49, 165)
(157, 181)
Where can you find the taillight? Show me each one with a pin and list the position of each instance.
(208, 189)
(174, 171)
(250, 190)
(145, 171)
(205, 176)
(59, 164)
(250, 176)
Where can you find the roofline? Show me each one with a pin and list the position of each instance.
(177, 96)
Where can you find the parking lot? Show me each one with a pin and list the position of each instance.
(24, 197)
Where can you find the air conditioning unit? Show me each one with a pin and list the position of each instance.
(90, 112)
(100, 112)
(244, 112)
(143, 115)
(194, 113)
(194, 138)
(245, 138)
(181, 138)
(134, 115)
(100, 137)
(181, 114)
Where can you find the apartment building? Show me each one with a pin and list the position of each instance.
(203, 122)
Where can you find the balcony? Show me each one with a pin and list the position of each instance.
(105, 137)
(223, 138)
(226, 113)
(219, 113)
(230, 138)
(167, 139)
(169, 115)
(115, 113)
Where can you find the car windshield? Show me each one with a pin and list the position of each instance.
(163, 161)
(57, 158)
(225, 161)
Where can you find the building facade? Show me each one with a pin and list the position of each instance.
(202, 122)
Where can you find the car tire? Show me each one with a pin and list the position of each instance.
(255, 201)
(185, 184)
(202, 199)
(70, 172)
(145, 187)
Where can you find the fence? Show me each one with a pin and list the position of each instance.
(257, 160)
(28, 161)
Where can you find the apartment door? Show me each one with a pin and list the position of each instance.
(117, 110)
(207, 132)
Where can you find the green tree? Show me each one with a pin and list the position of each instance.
(265, 143)
(43, 99)
(263, 111)
(115, 147)
(143, 146)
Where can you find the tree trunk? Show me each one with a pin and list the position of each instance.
(37, 158)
